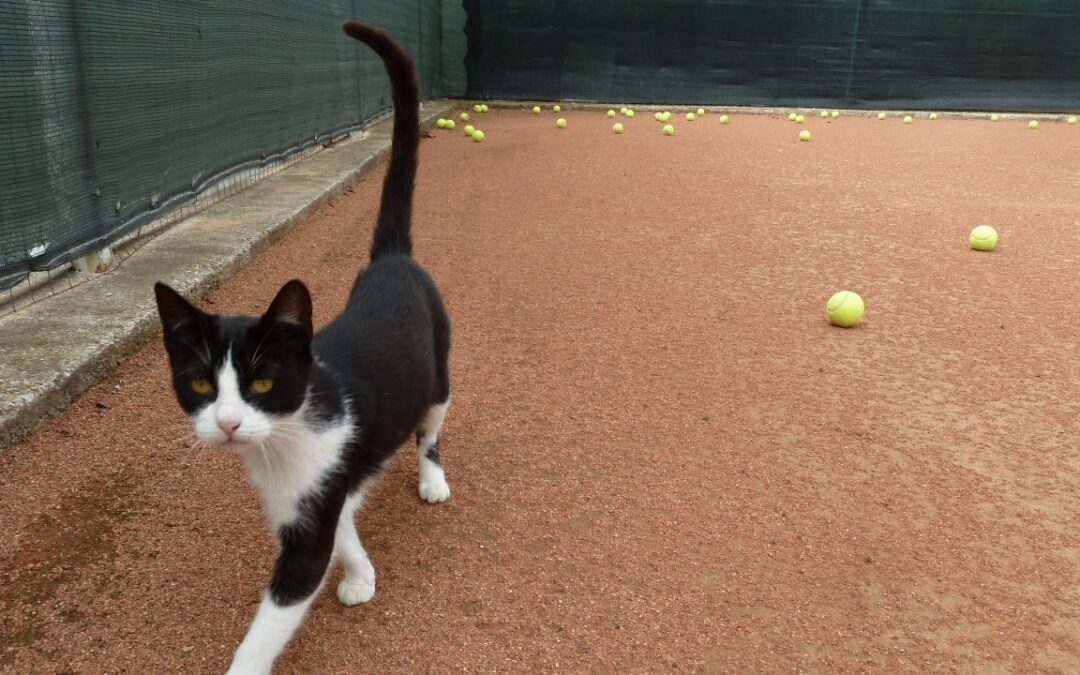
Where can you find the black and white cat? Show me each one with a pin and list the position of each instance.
(316, 416)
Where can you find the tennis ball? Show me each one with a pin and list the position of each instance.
(995, 117)
(791, 117)
(667, 116)
(723, 119)
(1072, 120)
(629, 112)
(557, 108)
(464, 117)
(700, 112)
(483, 107)
(933, 116)
(836, 113)
(469, 130)
(690, 117)
(983, 238)
(1033, 124)
(824, 113)
(561, 123)
(622, 110)
(881, 115)
(845, 308)
(478, 136)
(611, 113)
(804, 135)
(441, 123)
(536, 110)
(908, 119)
(659, 116)
(669, 130)
(799, 119)
(618, 128)
(477, 108)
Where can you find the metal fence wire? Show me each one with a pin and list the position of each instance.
(115, 116)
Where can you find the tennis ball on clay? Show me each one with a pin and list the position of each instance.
(845, 309)
(441, 123)
(836, 113)
(669, 130)
(791, 117)
(1072, 120)
(622, 110)
(667, 116)
(881, 115)
(618, 128)
(464, 117)
(658, 116)
(478, 136)
(824, 113)
(536, 110)
(469, 129)
(561, 123)
(799, 119)
(450, 124)
(629, 112)
(611, 113)
(700, 112)
(1033, 124)
(690, 117)
(477, 108)
(983, 238)
(557, 108)
(908, 119)
(804, 135)
(995, 117)
(933, 116)
(723, 119)
(483, 107)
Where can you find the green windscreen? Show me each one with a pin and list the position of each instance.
(113, 111)
(929, 54)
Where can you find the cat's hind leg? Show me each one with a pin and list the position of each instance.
(433, 486)
(358, 581)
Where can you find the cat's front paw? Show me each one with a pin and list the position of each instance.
(434, 490)
(354, 591)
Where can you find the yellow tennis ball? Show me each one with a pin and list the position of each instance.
(723, 119)
(469, 130)
(791, 117)
(933, 116)
(700, 112)
(669, 130)
(658, 116)
(629, 112)
(804, 135)
(824, 113)
(441, 123)
(908, 119)
(845, 308)
(536, 110)
(1033, 124)
(618, 128)
(690, 117)
(450, 124)
(478, 136)
(611, 113)
(667, 116)
(464, 117)
(483, 107)
(881, 115)
(1072, 120)
(561, 123)
(836, 113)
(557, 108)
(995, 117)
(622, 110)
(799, 119)
(983, 238)
(477, 108)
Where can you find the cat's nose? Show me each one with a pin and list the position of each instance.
(229, 426)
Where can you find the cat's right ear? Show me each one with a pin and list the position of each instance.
(174, 310)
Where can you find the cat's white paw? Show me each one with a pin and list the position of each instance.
(354, 591)
(434, 489)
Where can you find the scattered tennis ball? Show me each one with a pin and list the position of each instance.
(622, 110)
(561, 123)
(450, 124)
(791, 117)
(908, 119)
(483, 107)
(824, 113)
(690, 117)
(478, 136)
(995, 117)
(464, 117)
(669, 130)
(983, 238)
(629, 112)
(477, 108)
(441, 123)
(557, 108)
(881, 115)
(536, 110)
(804, 135)
(845, 309)
(618, 128)
(723, 119)
(700, 112)
(799, 119)
(659, 116)
(1033, 124)
(469, 129)
(933, 116)
(667, 116)
(1072, 120)
(611, 113)
(836, 113)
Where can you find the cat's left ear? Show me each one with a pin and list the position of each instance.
(292, 306)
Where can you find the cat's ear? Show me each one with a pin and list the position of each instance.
(174, 310)
(292, 306)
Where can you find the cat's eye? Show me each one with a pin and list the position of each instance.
(262, 386)
(201, 386)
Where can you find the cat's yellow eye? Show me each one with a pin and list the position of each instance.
(201, 386)
(262, 386)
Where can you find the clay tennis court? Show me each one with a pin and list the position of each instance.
(662, 456)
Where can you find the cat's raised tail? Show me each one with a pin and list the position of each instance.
(395, 210)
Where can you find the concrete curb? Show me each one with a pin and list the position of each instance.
(55, 350)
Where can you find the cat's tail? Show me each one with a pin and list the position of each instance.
(395, 211)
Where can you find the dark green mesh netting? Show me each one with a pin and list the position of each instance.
(111, 111)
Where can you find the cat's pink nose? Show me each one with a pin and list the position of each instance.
(229, 426)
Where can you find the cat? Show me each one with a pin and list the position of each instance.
(316, 416)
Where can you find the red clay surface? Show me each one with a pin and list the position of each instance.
(663, 459)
